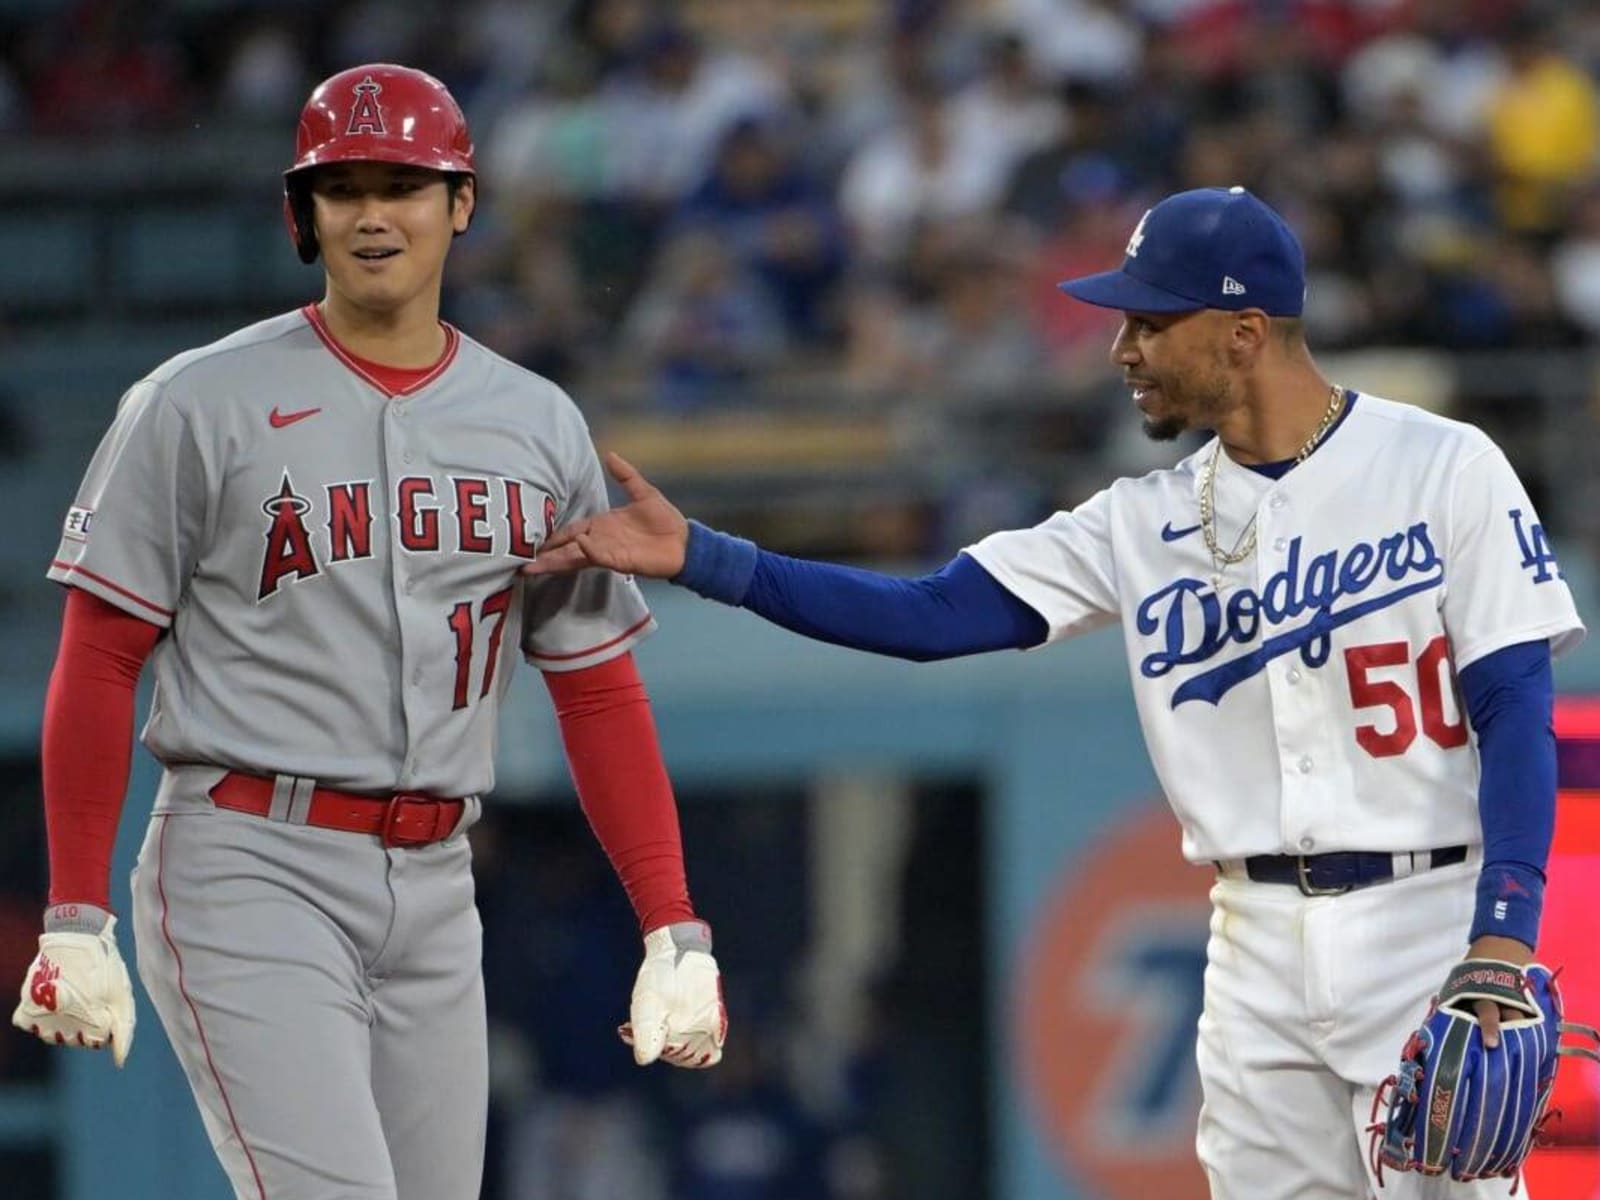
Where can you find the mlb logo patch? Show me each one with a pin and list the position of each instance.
(76, 526)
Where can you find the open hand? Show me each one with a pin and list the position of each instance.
(647, 536)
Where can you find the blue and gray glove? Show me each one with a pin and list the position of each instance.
(1457, 1106)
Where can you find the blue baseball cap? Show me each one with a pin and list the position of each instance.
(1207, 248)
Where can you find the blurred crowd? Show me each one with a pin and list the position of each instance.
(715, 192)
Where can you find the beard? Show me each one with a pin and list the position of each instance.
(1200, 402)
(1164, 429)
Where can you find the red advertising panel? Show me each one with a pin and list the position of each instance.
(1568, 1168)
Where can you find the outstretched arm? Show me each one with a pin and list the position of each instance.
(960, 609)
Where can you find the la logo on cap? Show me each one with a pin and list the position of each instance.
(1137, 239)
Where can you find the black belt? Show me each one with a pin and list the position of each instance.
(1342, 870)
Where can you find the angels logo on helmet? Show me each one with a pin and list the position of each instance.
(366, 115)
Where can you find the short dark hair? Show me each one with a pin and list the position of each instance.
(1291, 331)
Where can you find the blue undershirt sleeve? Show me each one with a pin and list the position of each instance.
(959, 609)
(1510, 696)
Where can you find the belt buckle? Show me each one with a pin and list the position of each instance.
(1302, 879)
(390, 835)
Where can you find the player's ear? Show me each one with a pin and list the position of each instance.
(463, 202)
(1250, 330)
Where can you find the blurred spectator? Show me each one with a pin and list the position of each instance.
(267, 76)
(1469, 66)
(1232, 38)
(703, 325)
(1575, 264)
(869, 81)
(501, 46)
(1005, 108)
(554, 141)
(535, 313)
(1542, 126)
(778, 225)
(107, 68)
(1486, 290)
(973, 338)
(1338, 310)
(918, 171)
(1080, 156)
(668, 112)
(608, 32)
(381, 31)
(1096, 41)
(875, 333)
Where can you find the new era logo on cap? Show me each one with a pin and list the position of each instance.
(1206, 248)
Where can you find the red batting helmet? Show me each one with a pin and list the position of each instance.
(375, 113)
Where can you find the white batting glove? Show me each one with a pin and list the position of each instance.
(76, 991)
(677, 1014)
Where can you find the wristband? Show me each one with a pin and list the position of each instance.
(717, 565)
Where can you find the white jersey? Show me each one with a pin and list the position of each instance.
(339, 567)
(1309, 705)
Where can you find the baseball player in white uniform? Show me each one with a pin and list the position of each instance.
(1298, 599)
(313, 530)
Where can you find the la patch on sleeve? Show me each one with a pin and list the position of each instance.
(1537, 556)
(76, 526)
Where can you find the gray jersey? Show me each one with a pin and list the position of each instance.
(338, 569)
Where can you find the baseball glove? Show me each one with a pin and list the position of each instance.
(1454, 1105)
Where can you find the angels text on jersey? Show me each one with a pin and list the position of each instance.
(460, 514)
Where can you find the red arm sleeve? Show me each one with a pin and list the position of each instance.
(88, 742)
(622, 783)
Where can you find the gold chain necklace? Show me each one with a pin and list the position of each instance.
(1246, 545)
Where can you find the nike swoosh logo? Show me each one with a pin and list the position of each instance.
(279, 420)
(1169, 534)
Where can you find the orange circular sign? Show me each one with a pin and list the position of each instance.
(1111, 990)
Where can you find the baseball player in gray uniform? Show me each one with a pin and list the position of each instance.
(313, 529)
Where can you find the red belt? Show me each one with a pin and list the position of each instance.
(403, 819)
